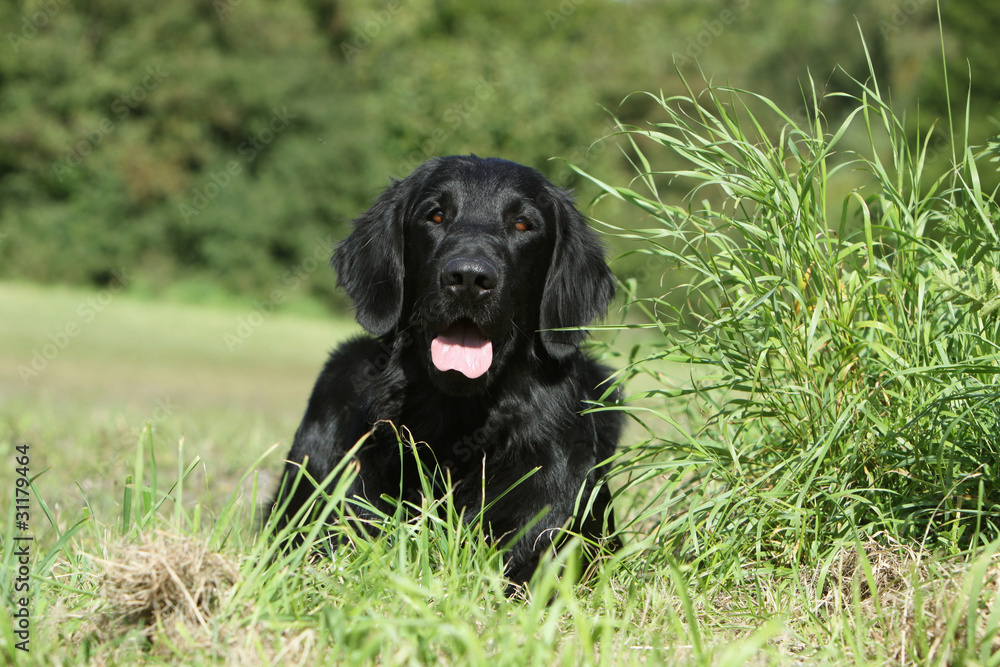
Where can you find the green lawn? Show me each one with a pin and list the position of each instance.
(159, 573)
(126, 364)
(131, 351)
(84, 402)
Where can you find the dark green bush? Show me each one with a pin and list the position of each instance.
(135, 135)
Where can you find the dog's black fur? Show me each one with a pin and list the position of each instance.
(496, 248)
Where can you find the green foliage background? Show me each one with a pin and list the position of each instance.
(227, 142)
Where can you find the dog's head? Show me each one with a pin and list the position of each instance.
(471, 257)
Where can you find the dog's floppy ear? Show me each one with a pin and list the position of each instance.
(369, 262)
(579, 284)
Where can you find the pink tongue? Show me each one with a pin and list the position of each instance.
(462, 348)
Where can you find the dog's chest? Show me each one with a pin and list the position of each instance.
(458, 436)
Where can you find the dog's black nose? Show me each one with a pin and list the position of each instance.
(471, 277)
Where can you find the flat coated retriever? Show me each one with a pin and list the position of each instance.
(469, 274)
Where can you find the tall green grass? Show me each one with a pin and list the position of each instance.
(846, 346)
(427, 589)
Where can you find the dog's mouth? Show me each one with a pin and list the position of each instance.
(462, 347)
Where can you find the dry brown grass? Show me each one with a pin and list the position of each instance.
(919, 614)
(166, 599)
(168, 587)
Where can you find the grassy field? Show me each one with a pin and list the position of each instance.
(152, 391)
(146, 386)
(811, 475)
(427, 594)
(134, 362)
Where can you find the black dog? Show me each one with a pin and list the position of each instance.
(465, 273)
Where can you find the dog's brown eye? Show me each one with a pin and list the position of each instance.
(436, 216)
(522, 224)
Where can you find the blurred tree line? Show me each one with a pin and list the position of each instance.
(227, 142)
